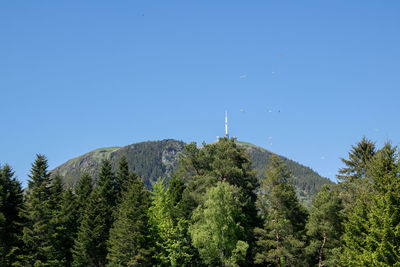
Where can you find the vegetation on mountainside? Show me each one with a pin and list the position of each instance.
(154, 159)
(214, 212)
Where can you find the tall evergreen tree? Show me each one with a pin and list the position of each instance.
(65, 222)
(56, 190)
(11, 216)
(3, 249)
(38, 230)
(353, 176)
(324, 228)
(122, 176)
(359, 158)
(279, 241)
(372, 231)
(129, 243)
(82, 191)
(90, 247)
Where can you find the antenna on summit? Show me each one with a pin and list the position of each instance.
(226, 124)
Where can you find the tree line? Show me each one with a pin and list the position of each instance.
(213, 212)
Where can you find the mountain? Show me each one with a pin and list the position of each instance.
(305, 179)
(153, 159)
(150, 160)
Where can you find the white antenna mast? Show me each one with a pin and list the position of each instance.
(226, 124)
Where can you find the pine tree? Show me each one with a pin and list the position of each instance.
(129, 243)
(3, 244)
(359, 159)
(122, 177)
(90, 247)
(324, 228)
(56, 190)
(37, 232)
(353, 177)
(175, 191)
(279, 241)
(372, 232)
(65, 223)
(82, 192)
(217, 231)
(11, 216)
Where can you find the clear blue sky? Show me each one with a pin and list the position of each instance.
(79, 75)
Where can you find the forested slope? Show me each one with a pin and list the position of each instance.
(153, 159)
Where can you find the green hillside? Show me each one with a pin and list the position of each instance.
(306, 180)
(150, 160)
(153, 159)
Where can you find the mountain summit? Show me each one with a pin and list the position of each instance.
(153, 159)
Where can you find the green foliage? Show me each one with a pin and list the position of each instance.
(11, 216)
(65, 225)
(223, 161)
(353, 177)
(359, 159)
(37, 233)
(324, 228)
(122, 177)
(129, 243)
(154, 159)
(149, 160)
(172, 245)
(306, 181)
(372, 231)
(217, 230)
(90, 247)
(279, 241)
(82, 191)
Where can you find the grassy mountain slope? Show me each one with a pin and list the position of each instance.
(153, 159)
(306, 180)
(150, 160)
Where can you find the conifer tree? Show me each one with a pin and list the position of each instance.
(3, 249)
(353, 177)
(279, 241)
(359, 159)
(82, 192)
(11, 216)
(324, 228)
(122, 177)
(175, 191)
(129, 243)
(65, 223)
(38, 230)
(56, 190)
(372, 231)
(90, 247)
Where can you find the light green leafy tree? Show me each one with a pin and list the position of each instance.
(172, 246)
(217, 230)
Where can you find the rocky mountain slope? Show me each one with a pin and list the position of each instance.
(153, 159)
